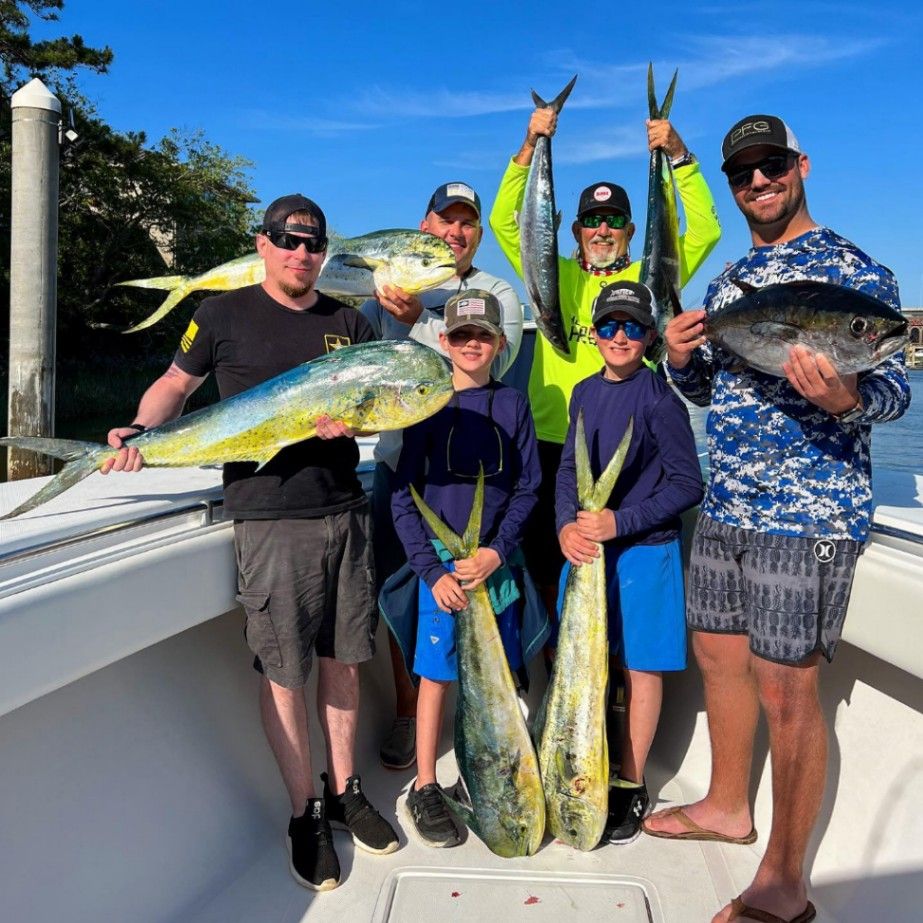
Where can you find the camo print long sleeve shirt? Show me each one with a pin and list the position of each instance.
(779, 463)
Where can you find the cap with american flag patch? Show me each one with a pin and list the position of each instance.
(473, 307)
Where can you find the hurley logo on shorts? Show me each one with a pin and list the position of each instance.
(334, 341)
(824, 550)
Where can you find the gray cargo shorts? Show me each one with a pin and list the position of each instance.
(306, 586)
(789, 594)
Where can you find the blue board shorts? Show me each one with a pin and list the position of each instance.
(646, 606)
(436, 657)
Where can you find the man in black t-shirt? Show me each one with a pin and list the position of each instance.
(302, 532)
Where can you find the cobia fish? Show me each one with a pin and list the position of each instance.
(660, 263)
(355, 267)
(538, 235)
(573, 752)
(495, 754)
(371, 387)
(853, 330)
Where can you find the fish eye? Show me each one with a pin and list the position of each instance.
(858, 326)
(426, 262)
(422, 389)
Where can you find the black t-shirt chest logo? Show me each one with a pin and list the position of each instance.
(334, 341)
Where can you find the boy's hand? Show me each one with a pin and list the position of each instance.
(449, 595)
(325, 428)
(475, 570)
(577, 549)
(598, 527)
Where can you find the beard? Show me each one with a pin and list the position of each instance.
(295, 291)
(787, 209)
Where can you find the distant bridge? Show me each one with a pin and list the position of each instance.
(914, 350)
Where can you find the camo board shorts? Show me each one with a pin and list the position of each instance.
(307, 586)
(789, 594)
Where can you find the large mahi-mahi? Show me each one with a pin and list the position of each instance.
(538, 235)
(354, 267)
(495, 755)
(371, 387)
(660, 263)
(573, 752)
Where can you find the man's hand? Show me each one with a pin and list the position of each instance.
(449, 595)
(128, 457)
(401, 306)
(813, 376)
(325, 428)
(683, 334)
(543, 121)
(577, 549)
(598, 527)
(660, 133)
(475, 570)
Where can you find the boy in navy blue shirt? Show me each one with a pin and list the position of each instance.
(639, 527)
(486, 425)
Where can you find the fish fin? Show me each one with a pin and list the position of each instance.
(472, 536)
(169, 303)
(445, 535)
(565, 767)
(603, 487)
(663, 110)
(558, 102)
(745, 287)
(462, 812)
(557, 220)
(162, 282)
(79, 466)
(776, 330)
(263, 460)
(358, 262)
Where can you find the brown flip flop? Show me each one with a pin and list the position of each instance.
(694, 832)
(740, 911)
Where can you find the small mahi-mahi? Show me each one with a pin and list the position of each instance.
(495, 755)
(573, 752)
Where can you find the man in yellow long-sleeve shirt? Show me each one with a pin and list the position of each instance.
(603, 230)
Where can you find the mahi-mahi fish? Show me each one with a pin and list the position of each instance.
(371, 387)
(355, 267)
(538, 235)
(495, 755)
(573, 752)
(660, 263)
(852, 329)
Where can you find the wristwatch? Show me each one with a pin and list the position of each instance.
(847, 416)
(684, 161)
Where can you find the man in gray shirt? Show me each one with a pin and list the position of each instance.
(454, 215)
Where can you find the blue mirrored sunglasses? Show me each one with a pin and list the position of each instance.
(611, 326)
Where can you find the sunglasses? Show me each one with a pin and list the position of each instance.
(615, 222)
(772, 167)
(609, 328)
(286, 241)
(462, 335)
(458, 458)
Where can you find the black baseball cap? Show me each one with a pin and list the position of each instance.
(632, 298)
(604, 195)
(278, 212)
(450, 193)
(473, 307)
(754, 130)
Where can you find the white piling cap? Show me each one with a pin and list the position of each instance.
(35, 95)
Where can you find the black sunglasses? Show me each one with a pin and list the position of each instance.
(615, 222)
(286, 241)
(772, 167)
(490, 468)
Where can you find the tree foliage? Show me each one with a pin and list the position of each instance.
(128, 208)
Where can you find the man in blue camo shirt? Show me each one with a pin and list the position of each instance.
(785, 516)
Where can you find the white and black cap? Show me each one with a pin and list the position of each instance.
(754, 130)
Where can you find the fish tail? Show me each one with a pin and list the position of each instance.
(603, 487)
(663, 110)
(162, 282)
(83, 458)
(558, 102)
(582, 459)
(459, 546)
(169, 303)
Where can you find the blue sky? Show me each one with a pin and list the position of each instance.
(366, 107)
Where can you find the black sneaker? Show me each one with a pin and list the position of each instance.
(627, 808)
(312, 859)
(399, 748)
(352, 811)
(431, 817)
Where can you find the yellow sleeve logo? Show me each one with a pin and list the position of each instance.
(185, 344)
